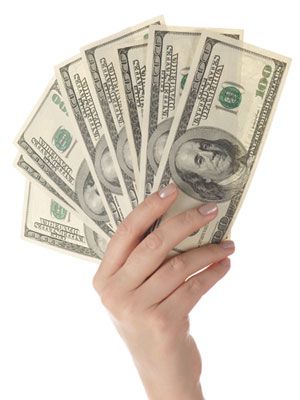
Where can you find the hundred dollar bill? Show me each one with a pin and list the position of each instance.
(24, 164)
(101, 61)
(47, 222)
(89, 126)
(170, 53)
(132, 72)
(96, 243)
(219, 130)
(49, 141)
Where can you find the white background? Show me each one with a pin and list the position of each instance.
(57, 341)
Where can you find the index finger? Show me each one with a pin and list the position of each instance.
(130, 232)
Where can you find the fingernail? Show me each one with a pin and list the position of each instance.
(225, 263)
(227, 244)
(208, 208)
(167, 191)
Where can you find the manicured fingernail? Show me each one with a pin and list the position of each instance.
(225, 263)
(167, 191)
(227, 244)
(208, 208)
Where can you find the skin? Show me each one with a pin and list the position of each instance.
(149, 298)
(212, 163)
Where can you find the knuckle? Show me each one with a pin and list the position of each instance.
(195, 286)
(215, 249)
(153, 241)
(159, 321)
(151, 204)
(108, 299)
(99, 281)
(125, 228)
(189, 217)
(133, 262)
(121, 305)
(129, 312)
(96, 283)
(216, 272)
(164, 331)
(177, 264)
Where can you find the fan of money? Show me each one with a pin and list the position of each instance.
(133, 112)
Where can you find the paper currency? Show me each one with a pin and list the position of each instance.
(135, 111)
(132, 72)
(101, 61)
(49, 141)
(219, 130)
(46, 221)
(95, 242)
(90, 127)
(170, 54)
(27, 168)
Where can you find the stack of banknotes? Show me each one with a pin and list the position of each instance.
(131, 113)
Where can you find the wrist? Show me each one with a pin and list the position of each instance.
(160, 390)
(170, 376)
(194, 394)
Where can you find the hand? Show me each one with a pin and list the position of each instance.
(149, 297)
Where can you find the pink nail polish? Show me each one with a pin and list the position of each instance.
(208, 208)
(227, 244)
(167, 191)
(225, 263)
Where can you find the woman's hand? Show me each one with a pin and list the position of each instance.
(149, 299)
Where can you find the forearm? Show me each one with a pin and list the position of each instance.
(192, 394)
(160, 391)
(150, 298)
(172, 370)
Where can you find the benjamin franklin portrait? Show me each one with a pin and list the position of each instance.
(88, 195)
(209, 164)
(157, 143)
(104, 164)
(95, 242)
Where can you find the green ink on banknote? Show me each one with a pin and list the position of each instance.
(62, 139)
(58, 101)
(57, 211)
(263, 82)
(230, 97)
(183, 80)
